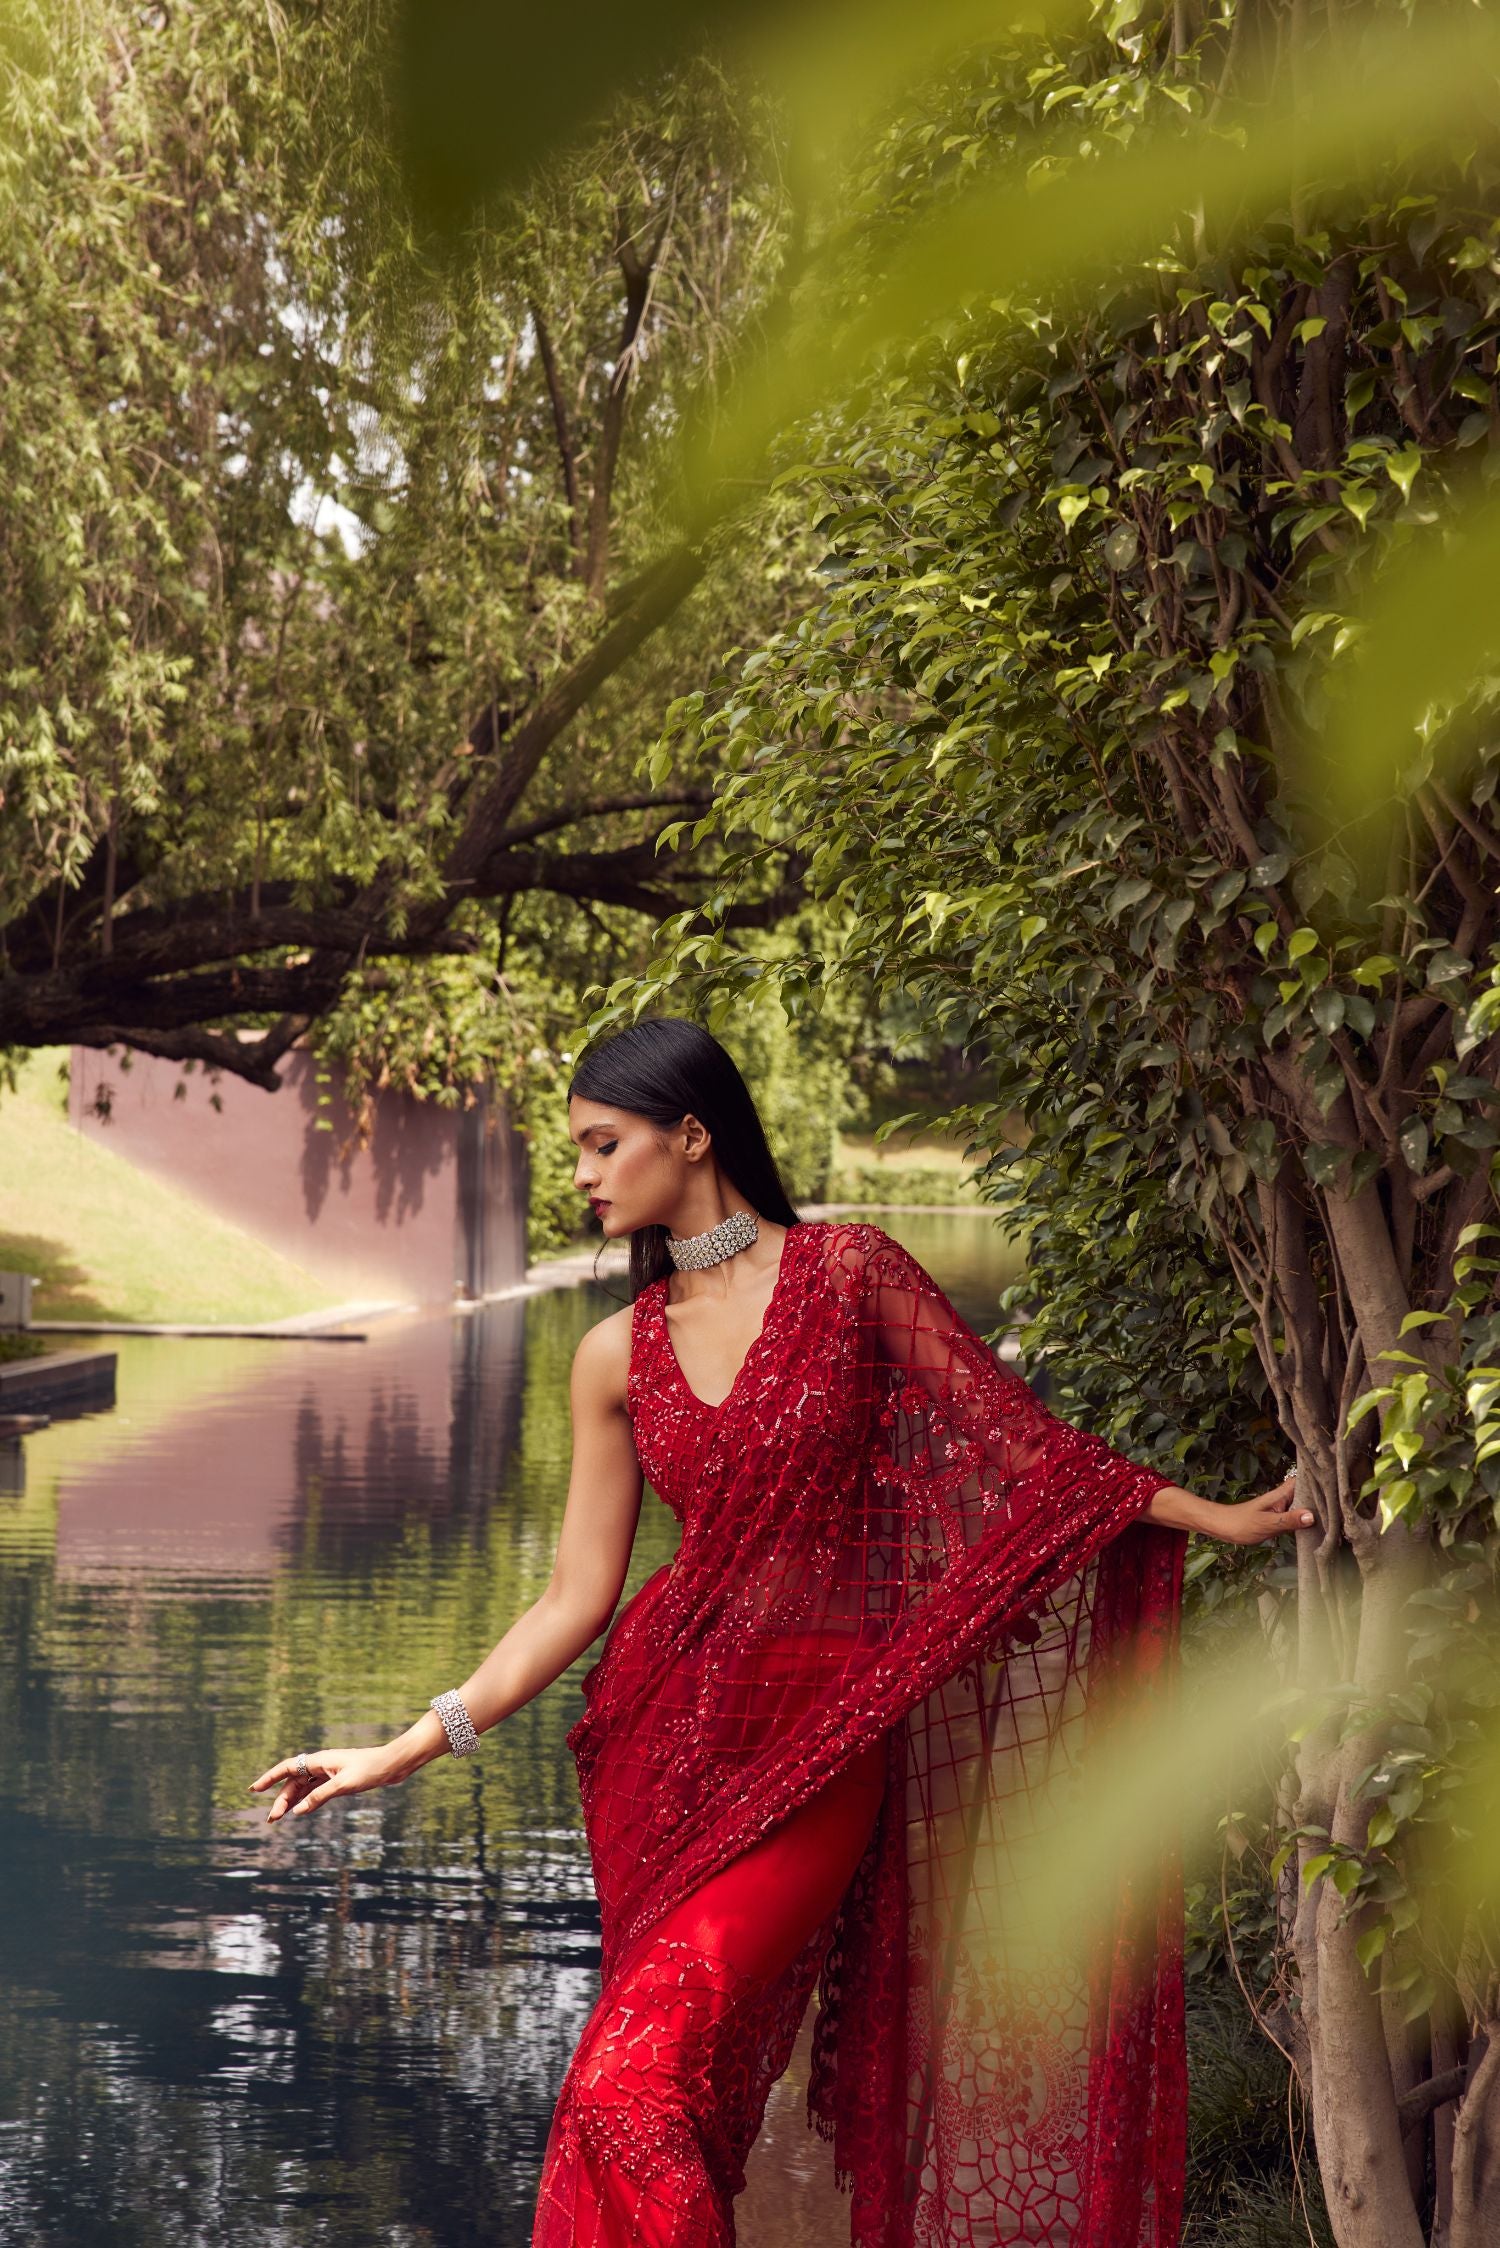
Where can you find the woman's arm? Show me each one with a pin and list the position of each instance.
(593, 1555)
(1248, 1522)
(980, 1435)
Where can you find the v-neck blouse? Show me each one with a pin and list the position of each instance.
(678, 1433)
(659, 1288)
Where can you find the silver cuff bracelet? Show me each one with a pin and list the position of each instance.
(457, 1724)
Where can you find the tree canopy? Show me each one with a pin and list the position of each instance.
(336, 571)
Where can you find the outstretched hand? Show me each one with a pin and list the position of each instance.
(1254, 1521)
(330, 1772)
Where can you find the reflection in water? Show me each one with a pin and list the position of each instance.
(352, 2030)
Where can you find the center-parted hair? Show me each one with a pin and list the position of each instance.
(665, 1068)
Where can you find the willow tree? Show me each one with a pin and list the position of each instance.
(1053, 730)
(335, 585)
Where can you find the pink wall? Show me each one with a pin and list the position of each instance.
(433, 1207)
(290, 1442)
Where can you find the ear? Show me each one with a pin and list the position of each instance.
(696, 1140)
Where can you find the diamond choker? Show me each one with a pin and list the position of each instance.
(737, 1231)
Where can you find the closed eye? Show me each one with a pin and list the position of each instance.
(607, 1148)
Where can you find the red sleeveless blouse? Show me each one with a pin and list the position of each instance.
(887, 1537)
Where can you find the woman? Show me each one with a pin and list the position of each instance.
(904, 1593)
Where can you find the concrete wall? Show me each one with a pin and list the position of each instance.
(434, 1207)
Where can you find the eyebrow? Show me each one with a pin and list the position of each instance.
(583, 1135)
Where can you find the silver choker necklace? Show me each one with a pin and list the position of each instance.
(737, 1231)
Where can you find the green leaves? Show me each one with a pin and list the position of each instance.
(1414, 1142)
(1126, 893)
(1122, 546)
(562, 72)
(1028, 231)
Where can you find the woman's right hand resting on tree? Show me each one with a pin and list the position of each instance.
(1270, 1514)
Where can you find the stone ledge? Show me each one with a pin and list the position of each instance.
(75, 1381)
(330, 1326)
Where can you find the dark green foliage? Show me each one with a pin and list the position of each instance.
(1244, 2189)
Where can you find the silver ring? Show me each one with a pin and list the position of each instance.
(299, 1764)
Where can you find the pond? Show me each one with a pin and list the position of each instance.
(350, 2031)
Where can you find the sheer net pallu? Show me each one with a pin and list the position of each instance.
(905, 1596)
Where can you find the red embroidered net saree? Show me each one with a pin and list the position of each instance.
(905, 1595)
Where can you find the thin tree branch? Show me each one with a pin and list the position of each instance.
(567, 452)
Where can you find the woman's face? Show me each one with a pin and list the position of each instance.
(632, 1172)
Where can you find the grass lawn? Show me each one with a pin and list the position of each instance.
(912, 1149)
(106, 1241)
(912, 1166)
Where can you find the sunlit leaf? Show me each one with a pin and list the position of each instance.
(1015, 237)
(1432, 630)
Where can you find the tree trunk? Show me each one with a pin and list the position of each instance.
(1476, 2150)
(1372, 2198)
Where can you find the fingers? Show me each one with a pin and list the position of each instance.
(1287, 1516)
(300, 1796)
(317, 1795)
(1269, 1515)
(285, 1770)
(1283, 1497)
(1304, 1514)
(297, 1788)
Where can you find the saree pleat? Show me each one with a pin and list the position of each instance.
(895, 1560)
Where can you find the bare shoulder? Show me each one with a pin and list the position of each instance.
(602, 1358)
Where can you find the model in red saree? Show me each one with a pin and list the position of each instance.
(904, 1594)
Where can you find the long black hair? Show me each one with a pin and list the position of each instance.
(663, 1068)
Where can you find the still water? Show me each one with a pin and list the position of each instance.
(352, 2031)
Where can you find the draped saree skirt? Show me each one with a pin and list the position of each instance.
(667, 2090)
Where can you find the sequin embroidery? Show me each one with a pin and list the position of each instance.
(888, 1546)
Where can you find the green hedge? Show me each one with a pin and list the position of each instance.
(17, 1346)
